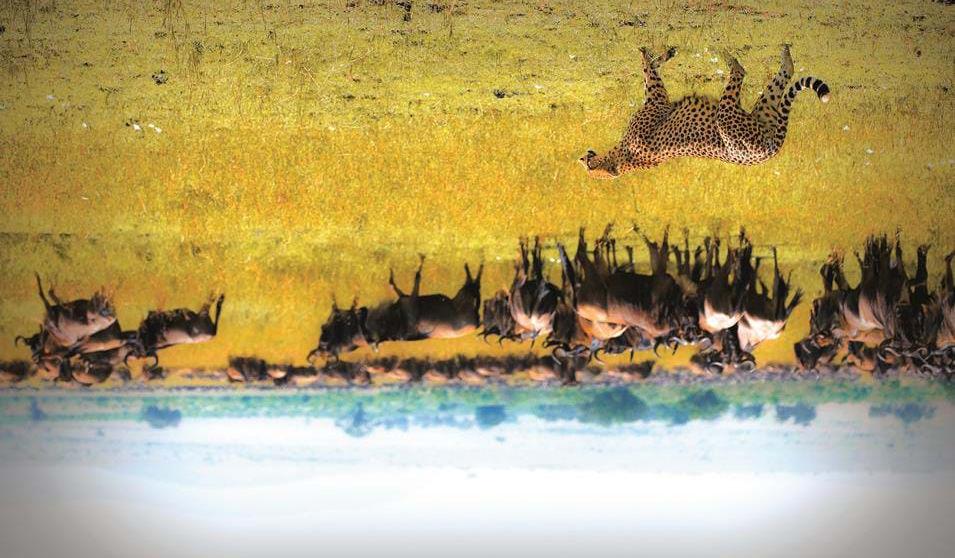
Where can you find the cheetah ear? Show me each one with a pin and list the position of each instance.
(591, 153)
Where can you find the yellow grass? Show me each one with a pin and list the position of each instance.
(304, 149)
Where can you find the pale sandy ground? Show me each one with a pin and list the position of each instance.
(439, 512)
(848, 484)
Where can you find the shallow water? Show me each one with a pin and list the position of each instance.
(591, 471)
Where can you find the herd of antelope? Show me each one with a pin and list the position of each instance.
(713, 299)
(889, 319)
(81, 341)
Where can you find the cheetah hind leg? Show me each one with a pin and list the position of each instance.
(740, 132)
(732, 62)
(786, 61)
(767, 106)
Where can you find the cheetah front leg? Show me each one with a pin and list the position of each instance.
(767, 107)
(622, 158)
(656, 93)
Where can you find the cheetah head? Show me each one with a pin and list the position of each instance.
(600, 166)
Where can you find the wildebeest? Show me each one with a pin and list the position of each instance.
(15, 371)
(97, 367)
(632, 340)
(69, 329)
(527, 310)
(945, 328)
(736, 309)
(92, 360)
(943, 314)
(82, 341)
(163, 329)
(885, 310)
(610, 299)
(247, 369)
(102, 354)
(72, 322)
(720, 288)
(574, 333)
(766, 310)
(567, 335)
(410, 318)
(51, 358)
(720, 305)
(925, 337)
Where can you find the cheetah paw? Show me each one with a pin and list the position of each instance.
(787, 59)
(733, 63)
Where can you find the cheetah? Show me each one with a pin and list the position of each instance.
(704, 127)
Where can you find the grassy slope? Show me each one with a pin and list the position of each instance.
(335, 121)
(291, 134)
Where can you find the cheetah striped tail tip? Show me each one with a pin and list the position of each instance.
(823, 93)
(816, 84)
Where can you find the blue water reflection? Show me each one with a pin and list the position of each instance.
(620, 467)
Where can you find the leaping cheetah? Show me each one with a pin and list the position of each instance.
(704, 127)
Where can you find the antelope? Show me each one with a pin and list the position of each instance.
(527, 310)
(609, 298)
(50, 357)
(936, 347)
(160, 330)
(866, 313)
(411, 317)
(103, 353)
(97, 367)
(72, 322)
(765, 311)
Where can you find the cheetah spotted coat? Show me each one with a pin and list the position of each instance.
(704, 127)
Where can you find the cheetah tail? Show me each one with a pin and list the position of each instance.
(817, 85)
